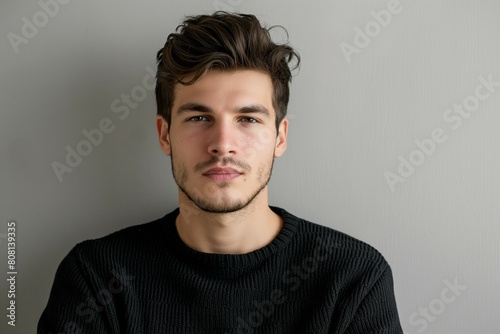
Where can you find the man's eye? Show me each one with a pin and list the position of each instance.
(249, 120)
(197, 119)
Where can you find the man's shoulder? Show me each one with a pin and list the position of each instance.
(136, 232)
(341, 244)
(129, 239)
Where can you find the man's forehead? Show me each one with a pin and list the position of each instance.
(246, 86)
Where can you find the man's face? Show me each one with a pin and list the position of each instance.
(223, 139)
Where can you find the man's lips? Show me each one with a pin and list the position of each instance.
(221, 173)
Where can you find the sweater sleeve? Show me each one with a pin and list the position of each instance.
(76, 304)
(377, 313)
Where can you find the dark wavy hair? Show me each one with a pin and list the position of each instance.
(223, 41)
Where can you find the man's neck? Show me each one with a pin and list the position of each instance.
(239, 232)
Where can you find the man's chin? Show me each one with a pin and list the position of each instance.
(219, 201)
(211, 201)
(219, 206)
(221, 209)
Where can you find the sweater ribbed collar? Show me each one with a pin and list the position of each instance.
(230, 264)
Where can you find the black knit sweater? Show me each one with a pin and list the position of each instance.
(144, 279)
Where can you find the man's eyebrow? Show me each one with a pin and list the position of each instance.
(254, 108)
(193, 107)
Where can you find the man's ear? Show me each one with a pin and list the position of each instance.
(163, 135)
(281, 139)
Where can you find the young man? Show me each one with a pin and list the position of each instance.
(224, 261)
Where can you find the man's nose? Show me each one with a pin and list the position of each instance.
(223, 139)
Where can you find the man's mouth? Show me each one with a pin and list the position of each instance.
(220, 174)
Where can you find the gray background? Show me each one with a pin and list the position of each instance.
(351, 119)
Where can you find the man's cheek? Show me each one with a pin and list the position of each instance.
(258, 143)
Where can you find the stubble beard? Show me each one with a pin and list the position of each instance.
(209, 203)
